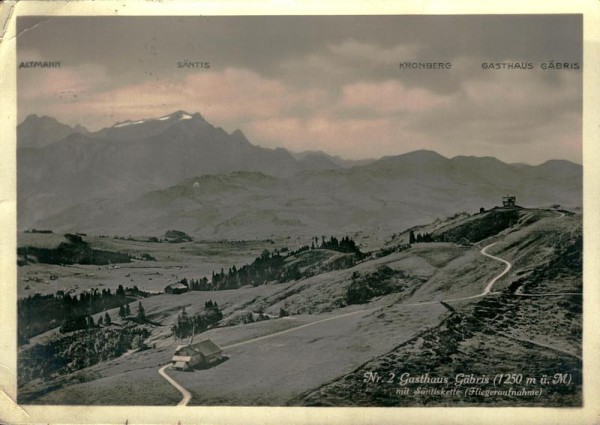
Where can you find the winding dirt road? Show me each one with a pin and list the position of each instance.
(187, 396)
(490, 285)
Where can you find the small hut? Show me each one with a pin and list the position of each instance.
(509, 201)
(176, 288)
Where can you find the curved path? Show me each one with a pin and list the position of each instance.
(490, 285)
(487, 289)
(187, 396)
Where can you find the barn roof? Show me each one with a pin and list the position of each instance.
(206, 347)
(177, 286)
(177, 358)
(185, 350)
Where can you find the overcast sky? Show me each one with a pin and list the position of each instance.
(320, 83)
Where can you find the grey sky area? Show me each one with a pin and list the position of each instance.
(321, 83)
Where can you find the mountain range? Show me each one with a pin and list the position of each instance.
(179, 171)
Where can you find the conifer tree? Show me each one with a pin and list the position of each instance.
(141, 312)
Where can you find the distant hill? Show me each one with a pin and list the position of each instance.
(37, 132)
(382, 198)
(180, 172)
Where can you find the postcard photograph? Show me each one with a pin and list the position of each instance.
(316, 211)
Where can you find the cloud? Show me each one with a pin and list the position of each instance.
(352, 138)
(512, 115)
(515, 115)
(346, 62)
(356, 51)
(390, 97)
(61, 84)
(226, 98)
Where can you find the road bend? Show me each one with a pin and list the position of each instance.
(187, 396)
(490, 284)
(488, 287)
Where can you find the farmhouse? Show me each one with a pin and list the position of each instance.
(201, 354)
(176, 288)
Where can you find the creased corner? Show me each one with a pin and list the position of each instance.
(10, 411)
(6, 12)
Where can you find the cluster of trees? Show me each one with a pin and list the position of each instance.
(125, 312)
(77, 322)
(78, 350)
(201, 284)
(346, 245)
(75, 251)
(270, 267)
(298, 251)
(105, 321)
(187, 325)
(39, 313)
(421, 237)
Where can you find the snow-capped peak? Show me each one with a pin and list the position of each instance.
(179, 116)
(127, 123)
(175, 116)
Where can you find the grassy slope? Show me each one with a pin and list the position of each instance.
(286, 366)
(174, 261)
(504, 333)
(333, 348)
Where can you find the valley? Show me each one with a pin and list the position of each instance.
(505, 301)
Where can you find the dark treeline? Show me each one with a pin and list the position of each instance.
(186, 324)
(346, 245)
(75, 251)
(201, 284)
(422, 237)
(271, 267)
(39, 313)
(78, 350)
